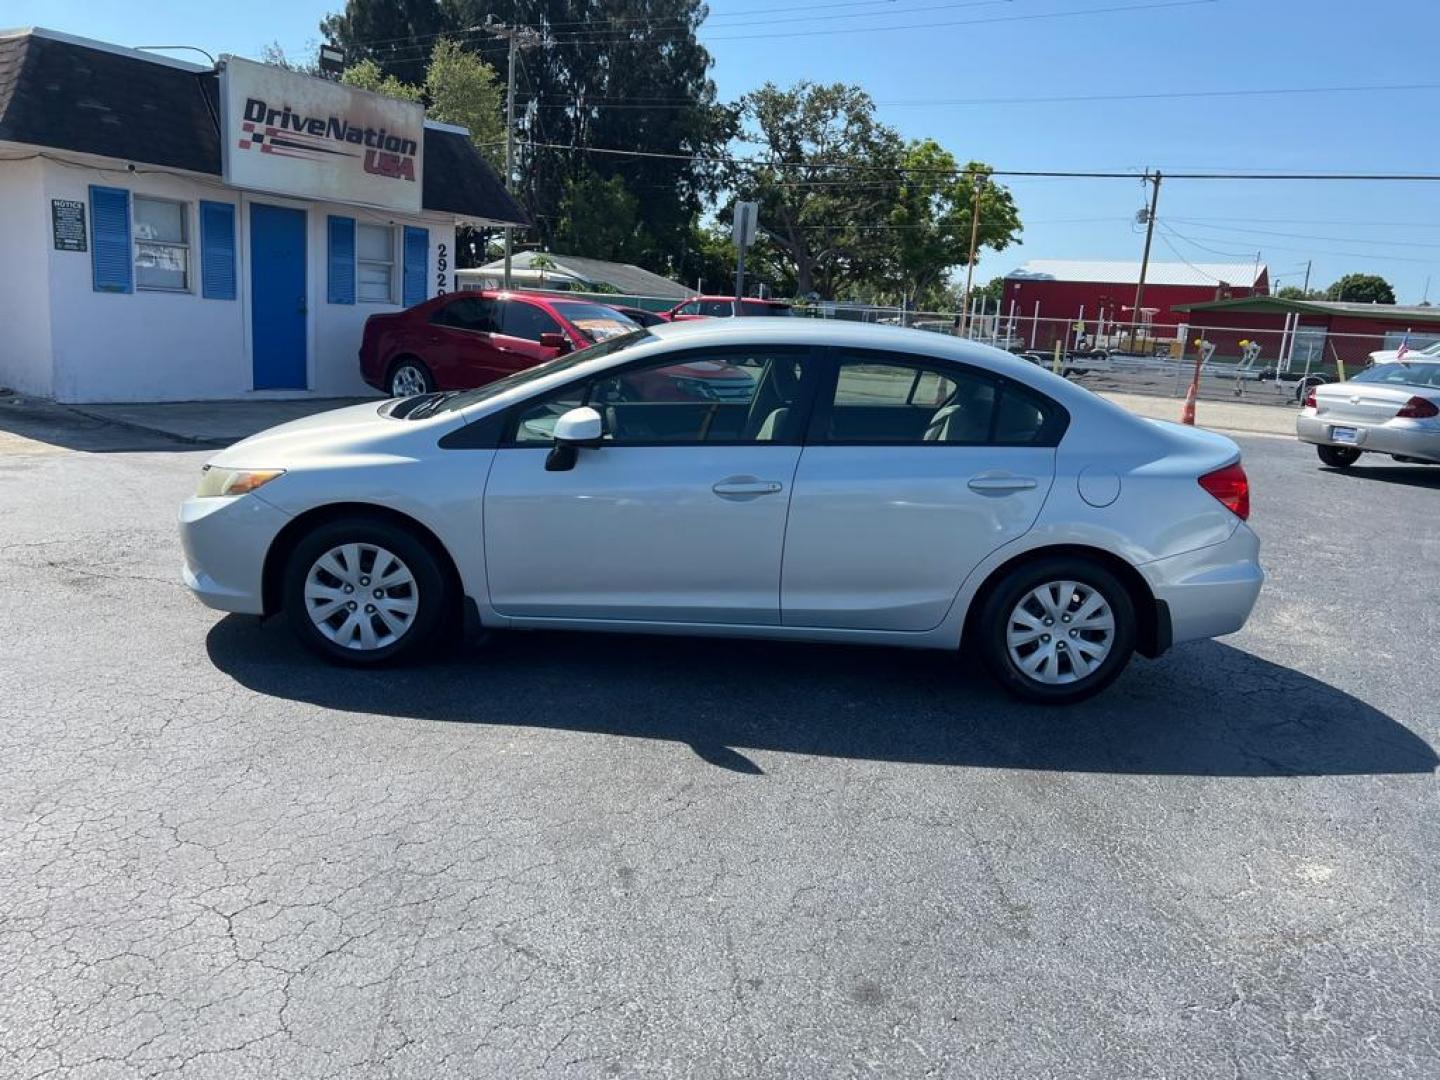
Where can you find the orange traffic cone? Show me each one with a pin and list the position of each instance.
(1187, 414)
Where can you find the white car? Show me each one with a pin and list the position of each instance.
(1390, 356)
(875, 485)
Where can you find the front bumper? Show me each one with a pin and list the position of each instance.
(225, 542)
(1407, 438)
(1212, 590)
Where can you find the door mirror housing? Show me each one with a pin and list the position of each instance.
(552, 340)
(574, 429)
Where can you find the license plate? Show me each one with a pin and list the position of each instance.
(1344, 435)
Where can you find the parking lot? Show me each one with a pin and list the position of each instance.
(614, 856)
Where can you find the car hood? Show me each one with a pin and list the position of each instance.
(354, 428)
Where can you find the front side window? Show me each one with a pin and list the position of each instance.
(717, 309)
(692, 308)
(162, 244)
(374, 263)
(740, 397)
(526, 321)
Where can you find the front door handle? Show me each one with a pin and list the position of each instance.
(747, 486)
(1000, 485)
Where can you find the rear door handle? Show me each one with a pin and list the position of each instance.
(999, 485)
(747, 485)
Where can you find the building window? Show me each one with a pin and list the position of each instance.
(162, 244)
(374, 264)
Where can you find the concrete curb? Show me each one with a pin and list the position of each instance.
(145, 429)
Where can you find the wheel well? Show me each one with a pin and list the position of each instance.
(273, 575)
(1151, 637)
(400, 358)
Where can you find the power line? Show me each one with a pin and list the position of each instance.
(1308, 236)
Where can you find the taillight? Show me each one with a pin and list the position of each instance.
(1232, 487)
(1418, 408)
(1310, 399)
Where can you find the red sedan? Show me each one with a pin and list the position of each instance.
(466, 339)
(724, 307)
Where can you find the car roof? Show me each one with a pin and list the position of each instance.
(746, 299)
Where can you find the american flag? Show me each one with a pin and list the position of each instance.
(1404, 349)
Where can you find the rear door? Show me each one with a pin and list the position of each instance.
(458, 349)
(914, 470)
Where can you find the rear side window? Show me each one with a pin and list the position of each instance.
(754, 307)
(879, 401)
(468, 313)
(717, 309)
(522, 320)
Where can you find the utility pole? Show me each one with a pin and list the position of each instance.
(978, 187)
(1305, 289)
(518, 37)
(1149, 235)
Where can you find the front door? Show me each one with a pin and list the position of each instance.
(914, 472)
(277, 297)
(678, 517)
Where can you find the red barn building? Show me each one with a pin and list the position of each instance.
(1066, 289)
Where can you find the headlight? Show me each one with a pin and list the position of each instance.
(216, 482)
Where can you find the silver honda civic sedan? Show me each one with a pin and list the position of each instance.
(1392, 408)
(772, 478)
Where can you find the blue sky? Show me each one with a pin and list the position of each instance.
(1069, 50)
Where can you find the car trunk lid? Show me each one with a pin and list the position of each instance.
(1361, 403)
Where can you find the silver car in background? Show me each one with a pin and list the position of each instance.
(1392, 408)
(871, 485)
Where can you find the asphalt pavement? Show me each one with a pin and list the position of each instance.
(557, 855)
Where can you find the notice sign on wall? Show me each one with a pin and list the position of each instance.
(292, 134)
(67, 221)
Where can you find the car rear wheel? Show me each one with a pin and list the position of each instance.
(362, 591)
(410, 377)
(1057, 630)
(1337, 457)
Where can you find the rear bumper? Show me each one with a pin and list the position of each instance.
(1408, 438)
(1211, 591)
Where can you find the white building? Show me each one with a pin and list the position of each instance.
(176, 232)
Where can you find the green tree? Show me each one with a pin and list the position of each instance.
(829, 174)
(597, 217)
(930, 221)
(590, 82)
(1295, 292)
(366, 75)
(1362, 289)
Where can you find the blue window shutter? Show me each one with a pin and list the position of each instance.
(417, 257)
(341, 232)
(217, 251)
(111, 262)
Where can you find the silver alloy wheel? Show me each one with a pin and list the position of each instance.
(361, 596)
(1060, 632)
(407, 381)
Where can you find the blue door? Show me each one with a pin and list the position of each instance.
(277, 297)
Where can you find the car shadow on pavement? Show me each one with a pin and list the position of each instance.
(1206, 709)
(1421, 476)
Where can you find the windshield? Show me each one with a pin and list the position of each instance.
(1401, 374)
(463, 399)
(595, 321)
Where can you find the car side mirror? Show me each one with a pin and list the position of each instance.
(552, 340)
(576, 428)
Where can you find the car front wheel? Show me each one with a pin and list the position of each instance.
(410, 377)
(1337, 457)
(1057, 630)
(362, 591)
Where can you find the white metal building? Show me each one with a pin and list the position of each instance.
(176, 232)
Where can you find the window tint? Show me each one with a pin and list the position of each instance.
(1022, 419)
(756, 307)
(739, 397)
(1400, 374)
(717, 309)
(522, 320)
(910, 403)
(468, 313)
(692, 308)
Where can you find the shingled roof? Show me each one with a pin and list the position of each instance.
(60, 93)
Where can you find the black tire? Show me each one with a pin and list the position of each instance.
(992, 625)
(431, 589)
(1337, 457)
(415, 369)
